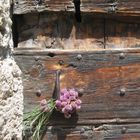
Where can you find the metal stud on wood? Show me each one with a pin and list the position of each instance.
(122, 55)
(122, 91)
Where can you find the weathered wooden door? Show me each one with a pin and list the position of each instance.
(98, 52)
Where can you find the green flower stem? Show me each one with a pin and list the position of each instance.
(37, 120)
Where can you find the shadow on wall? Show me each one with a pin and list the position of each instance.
(60, 131)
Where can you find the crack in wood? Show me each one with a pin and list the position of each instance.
(77, 10)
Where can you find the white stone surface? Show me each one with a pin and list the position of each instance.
(11, 89)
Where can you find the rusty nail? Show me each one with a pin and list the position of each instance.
(123, 130)
(79, 57)
(38, 93)
(122, 56)
(122, 92)
(61, 62)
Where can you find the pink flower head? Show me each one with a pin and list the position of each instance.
(63, 104)
(73, 92)
(66, 95)
(44, 108)
(63, 98)
(73, 104)
(68, 108)
(43, 102)
(78, 102)
(72, 98)
(64, 110)
(58, 103)
(78, 107)
(63, 91)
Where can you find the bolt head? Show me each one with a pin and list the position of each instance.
(61, 62)
(36, 58)
(80, 92)
(82, 130)
(122, 91)
(79, 57)
(38, 93)
(123, 130)
(122, 56)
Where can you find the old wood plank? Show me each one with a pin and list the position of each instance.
(90, 132)
(30, 6)
(100, 75)
(119, 7)
(123, 7)
(125, 137)
(42, 52)
(131, 6)
(122, 33)
(59, 31)
(48, 30)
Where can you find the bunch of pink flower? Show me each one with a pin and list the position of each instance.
(68, 102)
(44, 106)
(47, 106)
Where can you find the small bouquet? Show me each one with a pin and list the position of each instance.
(67, 103)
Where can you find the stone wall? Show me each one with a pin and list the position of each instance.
(11, 97)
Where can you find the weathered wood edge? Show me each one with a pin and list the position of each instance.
(105, 8)
(99, 122)
(19, 51)
(99, 132)
(94, 12)
(93, 132)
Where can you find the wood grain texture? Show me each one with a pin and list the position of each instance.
(29, 6)
(59, 31)
(91, 132)
(122, 33)
(123, 7)
(125, 137)
(99, 75)
(118, 7)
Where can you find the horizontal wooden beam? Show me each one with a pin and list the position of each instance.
(122, 7)
(60, 31)
(38, 51)
(109, 82)
(101, 132)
